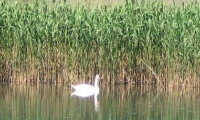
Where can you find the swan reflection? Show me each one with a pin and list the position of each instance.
(96, 102)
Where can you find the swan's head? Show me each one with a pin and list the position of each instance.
(97, 77)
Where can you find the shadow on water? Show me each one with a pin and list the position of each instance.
(117, 102)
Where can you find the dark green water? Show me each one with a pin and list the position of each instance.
(53, 102)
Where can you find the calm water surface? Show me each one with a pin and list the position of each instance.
(54, 102)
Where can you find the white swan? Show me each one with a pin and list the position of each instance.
(85, 90)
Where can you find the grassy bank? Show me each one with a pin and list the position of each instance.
(143, 43)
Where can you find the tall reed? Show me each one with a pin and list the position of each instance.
(143, 43)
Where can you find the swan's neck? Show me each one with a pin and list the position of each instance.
(96, 82)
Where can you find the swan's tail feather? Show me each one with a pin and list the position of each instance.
(73, 94)
(73, 86)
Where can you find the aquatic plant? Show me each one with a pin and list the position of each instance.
(136, 43)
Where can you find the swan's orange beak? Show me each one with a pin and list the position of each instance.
(100, 78)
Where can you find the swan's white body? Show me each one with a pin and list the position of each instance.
(85, 90)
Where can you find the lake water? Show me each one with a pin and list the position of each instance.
(54, 102)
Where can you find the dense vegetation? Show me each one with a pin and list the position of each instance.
(143, 43)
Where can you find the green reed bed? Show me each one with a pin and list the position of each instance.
(140, 43)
